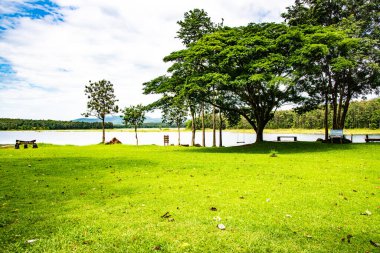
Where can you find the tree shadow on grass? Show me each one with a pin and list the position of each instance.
(281, 147)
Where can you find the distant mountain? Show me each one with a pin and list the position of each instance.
(116, 120)
(152, 120)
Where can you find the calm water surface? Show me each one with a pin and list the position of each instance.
(148, 138)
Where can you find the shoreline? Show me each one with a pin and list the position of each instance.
(359, 131)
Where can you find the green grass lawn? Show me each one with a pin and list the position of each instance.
(312, 197)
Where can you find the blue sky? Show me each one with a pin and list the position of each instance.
(49, 50)
(30, 9)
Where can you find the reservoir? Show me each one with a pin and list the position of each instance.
(85, 137)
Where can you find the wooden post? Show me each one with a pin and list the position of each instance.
(166, 140)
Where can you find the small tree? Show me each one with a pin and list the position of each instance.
(134, 116)
(175, 113)
(101, 101)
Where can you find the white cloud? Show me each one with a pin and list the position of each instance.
(121, 41)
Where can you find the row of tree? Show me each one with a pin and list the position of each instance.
(361, 114)
(364, 114)
(29, 124)
(327, 53)
(102, 101)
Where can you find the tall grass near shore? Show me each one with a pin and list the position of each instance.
(308, 197)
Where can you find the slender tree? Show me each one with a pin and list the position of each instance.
(134, 116)
(174, 112)
(194, 26)
(175, 88)
(101, 101)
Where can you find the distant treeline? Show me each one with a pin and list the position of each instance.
(363, 114)
(30, 124)
(148, 125)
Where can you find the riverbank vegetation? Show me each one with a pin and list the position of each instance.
(364, 116)
(361, 115)
(308, 197)
(31, 124)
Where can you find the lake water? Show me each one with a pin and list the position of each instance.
(148, 138)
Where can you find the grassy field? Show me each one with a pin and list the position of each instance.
(310, 197)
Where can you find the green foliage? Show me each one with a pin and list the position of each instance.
(253, 70)
(134, 115)
(332, 67)
(248, 69)
(30, 124)
(195, 24)
(363, 114)
(362, 13)
(112, 198)
(182, 86)
(101, 99)
(174, 113)
(208, 121)
(341, 56)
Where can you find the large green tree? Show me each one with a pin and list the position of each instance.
(335, 67)
(101, 101)
(343, 59)
(251, 66)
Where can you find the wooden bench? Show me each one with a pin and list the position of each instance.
(336, 133)
(290, 137)
(367, 139)
(19, 142)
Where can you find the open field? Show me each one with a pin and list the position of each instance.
(311, 197)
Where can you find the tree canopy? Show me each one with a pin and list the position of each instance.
(134, 116)
(325, 54)
(365, 13)
(101, 101)
(342, 52)
(248, 67)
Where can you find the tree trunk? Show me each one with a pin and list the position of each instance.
(203, 126)
(259, 134)
(137, 140)
(213, 126)
(340, 107)
(345, 111)
(179, 135)
(334, 102)
(220, 129)
(104, 131)
(326, 119)
(192, 128)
